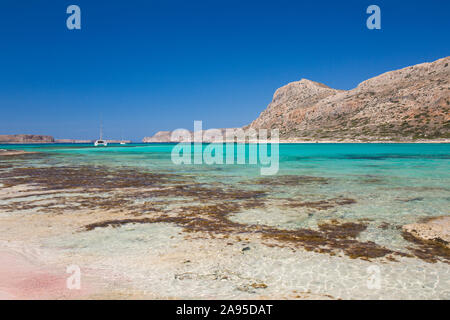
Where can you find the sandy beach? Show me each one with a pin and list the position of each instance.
(155, 232)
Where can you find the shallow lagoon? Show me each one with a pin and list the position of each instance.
(379, 187)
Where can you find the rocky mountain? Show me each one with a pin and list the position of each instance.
(410, 104)
(25, 138)
(160, 136)
(406, 104)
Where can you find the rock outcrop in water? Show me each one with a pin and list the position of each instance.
(436, 229)
(406, 104)
(25, 138)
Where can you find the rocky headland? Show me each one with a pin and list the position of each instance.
(407, 105)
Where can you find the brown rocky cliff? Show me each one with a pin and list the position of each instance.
(406, 104)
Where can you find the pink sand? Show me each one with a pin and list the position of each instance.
(23, 280)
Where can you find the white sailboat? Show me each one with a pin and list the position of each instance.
(122, 141)
(101, 142)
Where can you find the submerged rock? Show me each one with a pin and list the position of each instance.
(436, 229)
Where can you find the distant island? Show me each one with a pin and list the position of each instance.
(407, 105)
(25, 138)
(33, 138)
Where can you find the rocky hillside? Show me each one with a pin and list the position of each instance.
(406, 104)
(73, 141)
(160, 136)
(166, 136)
(25, 138)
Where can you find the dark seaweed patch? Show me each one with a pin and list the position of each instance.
(288, 180)
(411, 199)
(125, 185)
(52, 178)
(342, 230)
(332, 237)
(428, 250)
(322, 204)
(212, 219)
(370, 180)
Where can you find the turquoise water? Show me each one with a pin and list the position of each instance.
(411, 164)
(394, 182)
(380, 184)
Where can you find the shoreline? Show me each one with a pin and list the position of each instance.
(292, 141)
(295, 141)
(283, 141)
(5, 152)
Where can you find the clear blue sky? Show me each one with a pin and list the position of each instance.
(145, 66)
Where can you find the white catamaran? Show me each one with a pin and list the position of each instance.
(101, 142)
(122, 141)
